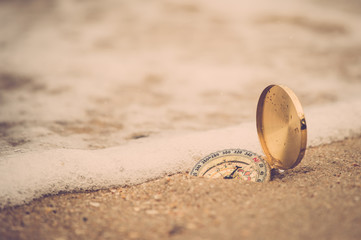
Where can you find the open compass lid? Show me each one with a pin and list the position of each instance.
(281, 127)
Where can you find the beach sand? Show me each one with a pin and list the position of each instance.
(319, 199)
(94, 75)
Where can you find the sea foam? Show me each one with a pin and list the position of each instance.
(27, 176)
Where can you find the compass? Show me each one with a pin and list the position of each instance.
(233, 164)
(282, 131)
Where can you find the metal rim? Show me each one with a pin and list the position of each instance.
(299, 123)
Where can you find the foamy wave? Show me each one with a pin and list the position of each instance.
(24, 177)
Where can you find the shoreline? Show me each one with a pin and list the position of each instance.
(119, 93)
(319, 199)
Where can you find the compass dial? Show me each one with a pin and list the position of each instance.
(233, 164)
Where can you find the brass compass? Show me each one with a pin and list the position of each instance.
(282, 131)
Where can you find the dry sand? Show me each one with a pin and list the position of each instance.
(56, 52)
(319, 199)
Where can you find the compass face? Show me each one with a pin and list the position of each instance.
(233, 164)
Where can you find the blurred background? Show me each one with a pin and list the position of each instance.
(96, 74)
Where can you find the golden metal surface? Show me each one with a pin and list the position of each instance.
(281, 127)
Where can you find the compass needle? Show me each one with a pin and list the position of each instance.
(231, 176)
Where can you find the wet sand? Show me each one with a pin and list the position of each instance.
(97, 75)
(89, 75)
(319, 199)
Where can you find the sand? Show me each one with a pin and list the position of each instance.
(319, 199)
(94, 75)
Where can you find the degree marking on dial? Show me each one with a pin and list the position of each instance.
(228, 164)
(234, 161)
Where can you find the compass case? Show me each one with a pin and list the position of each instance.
(281, 127)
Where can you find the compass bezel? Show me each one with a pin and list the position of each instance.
(219, 158)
